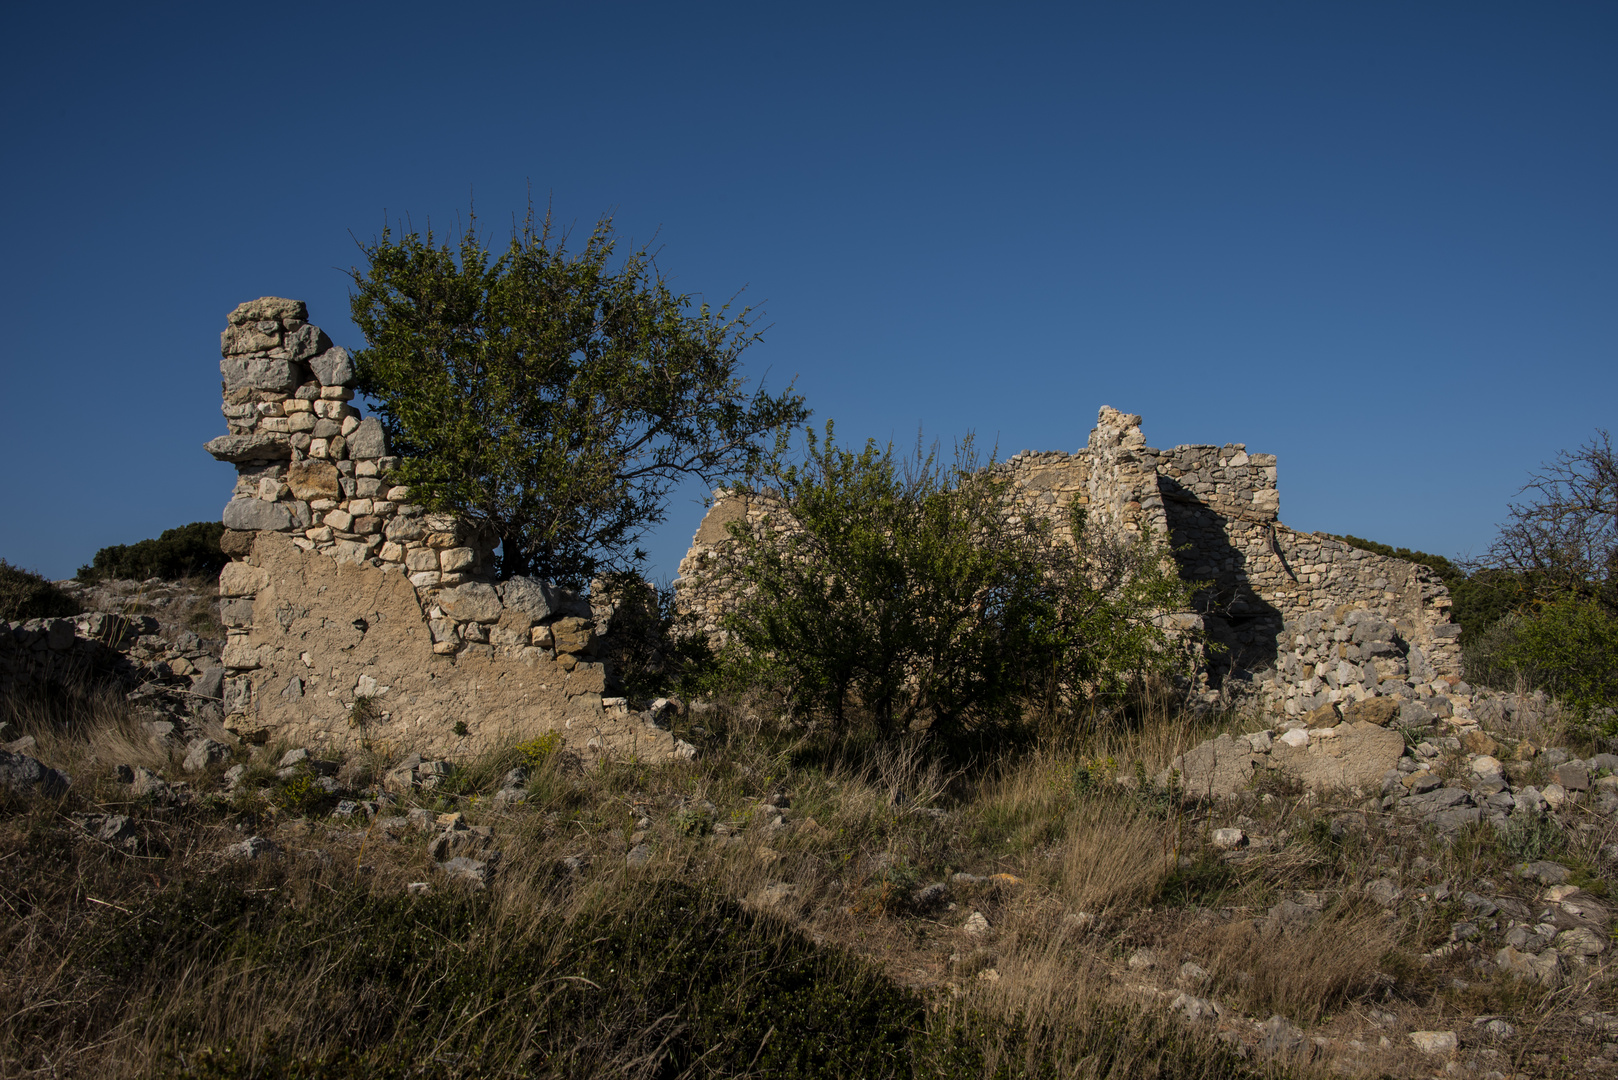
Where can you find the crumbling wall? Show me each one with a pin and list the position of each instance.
(356, 617)
(1280, 602)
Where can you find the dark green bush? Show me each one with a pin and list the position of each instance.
(903, 593)
(27, 595)
(187, 551)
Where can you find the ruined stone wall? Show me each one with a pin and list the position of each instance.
(1280, 602)
(356, 617)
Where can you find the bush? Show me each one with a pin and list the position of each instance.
(27, 595)
(1568, 647)
(188, 551)
(913, 593)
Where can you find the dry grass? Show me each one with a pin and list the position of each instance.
(1073, 874)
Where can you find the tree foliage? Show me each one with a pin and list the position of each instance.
(187, 551)
(550, 394)
(909, 592)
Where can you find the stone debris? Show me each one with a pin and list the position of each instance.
(203, 753)
(1434, 1042)
(254, 847)
(24, 775)
(467, 870)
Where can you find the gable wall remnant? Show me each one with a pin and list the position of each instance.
(355, 617)
(1305, 619)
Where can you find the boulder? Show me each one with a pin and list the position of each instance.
(333, 367)
(203, 753)
(1357, 757)
(1219, 767)
(24, 775)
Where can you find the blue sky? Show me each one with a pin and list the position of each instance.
(1376, 239)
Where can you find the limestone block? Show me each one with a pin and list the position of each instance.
(257, 337)
(368, 525)
(406, 529)
(251, 515)
(305, 342)
(319, 448)
(338, 519)
(453, 560)
(333, 367)
(573, 635)
(420, 559)
(391, 552)
(368, 440)
(424, 578)
(313, 480)
(530, 595)
(241, 579)
(349, 423)
(1358, 757)
(337, 447)
(1218, 767)
(359, 507)
(474, 601)
(240, 653)
(238, 449)
(273, 308)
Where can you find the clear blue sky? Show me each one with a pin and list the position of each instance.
(1377, 239)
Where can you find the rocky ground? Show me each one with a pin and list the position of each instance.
(1403, 888)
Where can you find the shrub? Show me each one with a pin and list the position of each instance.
(27, 595)
(1567, 647)
(187, 551)
(913, 593)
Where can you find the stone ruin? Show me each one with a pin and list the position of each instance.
(1306, 620)
(356, 618)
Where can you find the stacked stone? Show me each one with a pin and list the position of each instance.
(1220, 506)
(309, 465)
(1352, 654)
(708, 587)
(1048, 484)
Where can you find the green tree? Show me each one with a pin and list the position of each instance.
(187, 551)
(905, 592)
(551, 395)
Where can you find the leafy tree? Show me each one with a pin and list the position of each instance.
(550, 395)
(187, 551)
(1567, 645)
(905, 592)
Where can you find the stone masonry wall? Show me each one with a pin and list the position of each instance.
(1282, 603)
(356, 617)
